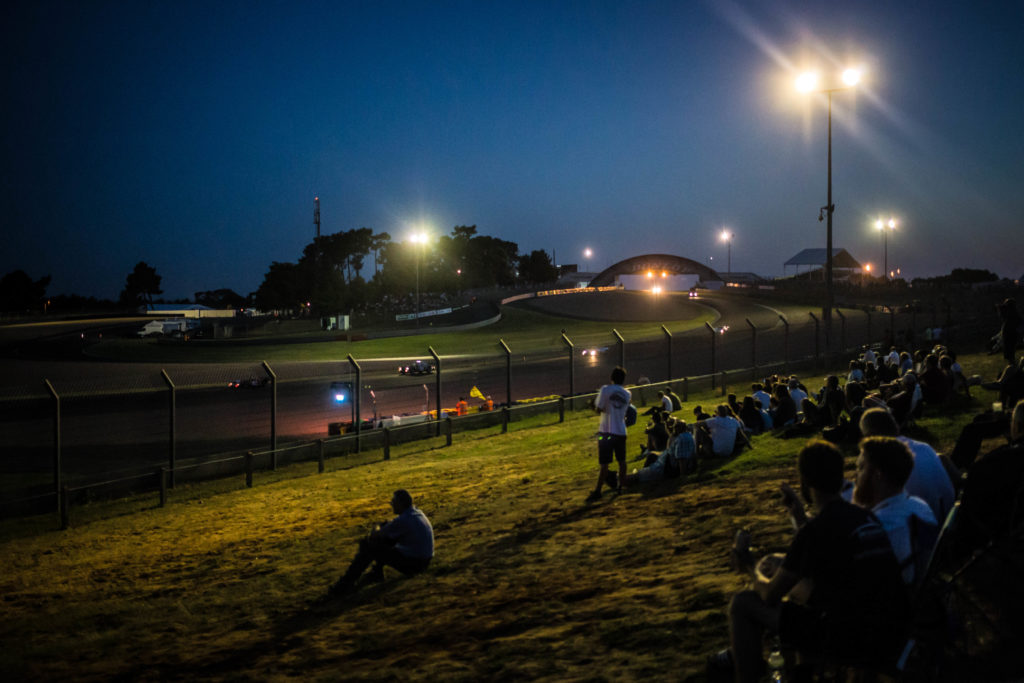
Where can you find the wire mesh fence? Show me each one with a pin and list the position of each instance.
(139, 429)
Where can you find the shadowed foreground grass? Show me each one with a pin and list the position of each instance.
(528, 582)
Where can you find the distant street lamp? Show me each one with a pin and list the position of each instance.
(881, 226)
(727, 238)
(808, 83)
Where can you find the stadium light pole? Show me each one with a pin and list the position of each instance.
(881, 226)
(727, 238)
(808, 83)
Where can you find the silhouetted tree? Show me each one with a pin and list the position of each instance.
(19, 293)
(141, 285)
(537, 267)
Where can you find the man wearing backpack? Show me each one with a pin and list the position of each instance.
(612, 403)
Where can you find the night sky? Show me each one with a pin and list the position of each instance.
(194, 136)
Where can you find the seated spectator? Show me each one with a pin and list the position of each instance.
(869, 356)
(797, 391)
(666, 402)
(1010, 384)
(784, 409)
(883, 467)
(766, 417)
(699, 414)
(405, 543)
(679, 458)
(751, 416)
(845, 595)
(935, 384)
(719, 436)
(832, 400)
(657, 433)
(928, 479)
(759, 394)
(672, 396)
(734, 406)
(856, 373)
(957, 381)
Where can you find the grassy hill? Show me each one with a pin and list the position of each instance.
(528, 581)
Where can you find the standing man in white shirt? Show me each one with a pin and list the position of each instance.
(612, 402)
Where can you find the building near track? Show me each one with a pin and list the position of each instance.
(670, 273)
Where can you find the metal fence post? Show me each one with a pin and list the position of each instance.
(712, 331)
(248, 469)
(57, 474)
(724, 382)
(753, 349)
(506, 414)
(817, 339)
(572, 383)
(668, 351)
(358, 419)
(686, 389)
(273, 415)
(561, 408)
(387, 443)
(437, 389)
(785, 344)
(171, 435)
(64, 504)
(867, 312)
(448, 431)
(842, 331)
(622, 348)
(320, 456)
(508, 372)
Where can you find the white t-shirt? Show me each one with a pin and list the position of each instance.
(666, 404)
(764, 398)
(894, 514)
(723, 433)
(929, 480)
(612, 401)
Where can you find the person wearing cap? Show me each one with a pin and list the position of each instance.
(406, 543)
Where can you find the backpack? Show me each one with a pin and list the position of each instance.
(630, 415)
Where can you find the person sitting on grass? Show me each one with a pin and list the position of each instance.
(657, 434)
(406, 543)
(719, 435)
(837, 592)
(677, 459)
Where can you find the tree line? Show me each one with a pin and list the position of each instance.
(329, 278)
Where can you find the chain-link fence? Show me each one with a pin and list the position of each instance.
(140, 429)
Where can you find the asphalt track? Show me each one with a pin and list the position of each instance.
(115, 415)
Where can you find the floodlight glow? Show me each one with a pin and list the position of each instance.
(851, 76)
(807, 81)
(726, 235)
(587, 253)
(892, 223)
(650, 274)
(867, 267)
(656, 289)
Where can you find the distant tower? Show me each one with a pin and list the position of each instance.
(316, 214)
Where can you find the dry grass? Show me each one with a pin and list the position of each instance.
(528, 582)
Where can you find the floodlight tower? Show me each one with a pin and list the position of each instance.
(316, 214)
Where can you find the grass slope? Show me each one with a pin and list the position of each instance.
(528, 582)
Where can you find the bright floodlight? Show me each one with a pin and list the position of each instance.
(656, 289)
(879, 224)
(807, 81)
(851, 76)
(892, 223)
(726, 235)
(867, 267)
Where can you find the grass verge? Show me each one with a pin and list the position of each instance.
(528, 582)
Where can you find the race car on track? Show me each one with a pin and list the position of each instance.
(416, 367)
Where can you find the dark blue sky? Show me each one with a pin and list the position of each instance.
(194, 136)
